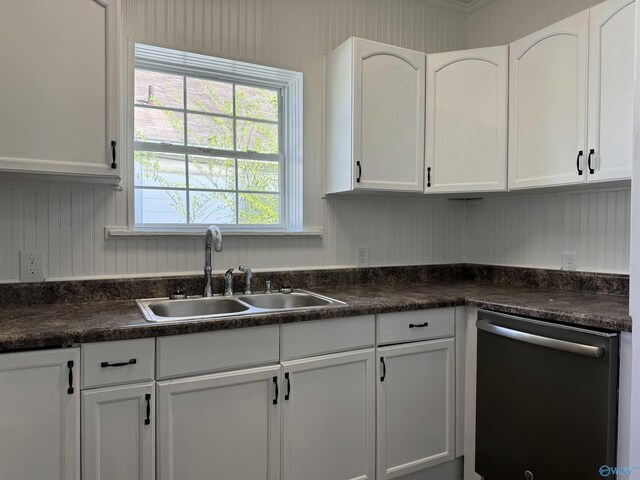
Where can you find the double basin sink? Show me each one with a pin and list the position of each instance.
(158, 310)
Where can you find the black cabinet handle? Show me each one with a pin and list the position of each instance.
(113, 154)
(133, 361)
(418, 325)
(70, 367)
(147, 397)
(428, 176)
(288, 394)
(591, 154)
(384, 369)
(580, 153)
(275, 400)
(359, 171)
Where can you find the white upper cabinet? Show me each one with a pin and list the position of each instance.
(375, 118)
(547, 102)
(611, 40)
(467, 121)
(58, 87)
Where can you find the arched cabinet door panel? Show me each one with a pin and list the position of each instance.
(467, 121)
(58, 88)
(547, 105)
(375, 117)
(611, 34)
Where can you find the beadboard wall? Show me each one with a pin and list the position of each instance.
(68, 221)
(535, 230)
(503, 21)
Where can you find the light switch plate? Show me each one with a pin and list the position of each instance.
(32, 265)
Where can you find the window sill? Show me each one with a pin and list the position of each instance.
(111, 233)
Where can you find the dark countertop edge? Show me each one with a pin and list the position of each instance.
(145, 329)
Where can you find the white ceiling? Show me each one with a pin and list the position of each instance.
(459, 6)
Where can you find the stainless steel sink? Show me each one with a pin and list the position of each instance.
(279, 301)
(162, 309)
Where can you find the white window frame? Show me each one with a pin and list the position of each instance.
(289, 83)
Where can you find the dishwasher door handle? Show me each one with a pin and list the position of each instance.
(571, 347)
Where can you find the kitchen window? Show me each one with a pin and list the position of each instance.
(215, 141)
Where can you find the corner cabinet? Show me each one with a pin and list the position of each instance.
(58, 88)
(467, 121)
(570, 99)
(40, 415)
(375, 118)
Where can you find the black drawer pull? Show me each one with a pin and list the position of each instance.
(275, 400)
(113, 154)
(384, 369)
(288, 394)
(147, 397)
(70, 367)
(133, 361)
(418, 325)
(359, 171)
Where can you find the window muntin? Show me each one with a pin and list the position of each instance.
(206, 151)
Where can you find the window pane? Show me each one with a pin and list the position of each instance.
(158, 89)
(255, 102)
(161, 206)
(258, 176)
(262, 208)
(153, 169)
(212, 207)
(158, 126)
(257, 137)
(210, 132)
(212, 173)
(209, 96)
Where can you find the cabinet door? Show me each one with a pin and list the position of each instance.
(389, 95)
(547, 105)
(611, 39)
(118, 433)
(223, 426)
(467, 121)
(40, 415)
(416, 405)
(329, 417)
(58, 101)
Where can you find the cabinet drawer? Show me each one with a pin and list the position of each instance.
(416, 325)
(197, 353)
(323, 336)
(110, 363)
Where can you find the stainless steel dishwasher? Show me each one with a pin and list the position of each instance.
(546, 399)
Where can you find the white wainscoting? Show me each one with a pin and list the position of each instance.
(535, 230)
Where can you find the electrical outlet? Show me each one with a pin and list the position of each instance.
(569, 261)
(32, 265)
(363, 257)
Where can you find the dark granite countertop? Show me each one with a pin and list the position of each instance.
(66, 324)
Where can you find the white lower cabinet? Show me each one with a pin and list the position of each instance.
(415, 407)
(40, 415)
(118, 433)
(222, 426)
(329, 417)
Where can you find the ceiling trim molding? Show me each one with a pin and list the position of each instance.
(456, 6)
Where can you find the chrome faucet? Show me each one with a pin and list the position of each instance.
(228, 283)
(213, 236)
(247, 275)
